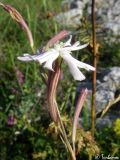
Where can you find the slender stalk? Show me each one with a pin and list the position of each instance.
(107, 107)
(93, 105)
(64, 135)
(53, 106)
(53, 80)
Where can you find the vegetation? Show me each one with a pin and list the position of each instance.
(26, 129)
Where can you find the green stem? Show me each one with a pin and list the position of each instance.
(63, 132)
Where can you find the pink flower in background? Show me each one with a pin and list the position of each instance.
(11, 120)
(20, 76)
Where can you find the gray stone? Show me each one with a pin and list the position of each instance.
(108, 83)
(70, 18)
(108, 86)
(113, 75)
(108, 18)
(107, 15)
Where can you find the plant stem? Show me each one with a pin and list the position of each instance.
(63, 132)
(108, 106)
(93, 105)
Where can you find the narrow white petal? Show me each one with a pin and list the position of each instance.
(42, 57)
(50, 61)
(76, 73)
(68, 43)
(85, 66)
(79, 63)
(76, 44)
(25, 57)
(74, 47)
(45, 56)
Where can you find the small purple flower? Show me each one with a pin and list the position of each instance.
(20, 76)
(11, 120)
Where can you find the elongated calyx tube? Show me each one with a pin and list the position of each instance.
(62, 34)
(53, 80)
(79, 106)
(20, 20)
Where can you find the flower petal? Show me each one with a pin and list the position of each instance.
(76, 44)
(68, 43)
(25, 57)
(85, 66)
(42, 57)
(76, 73)
(46, 56)
(50, 61)
(75, 47)
(79, 63)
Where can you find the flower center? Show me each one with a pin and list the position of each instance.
(58, 46)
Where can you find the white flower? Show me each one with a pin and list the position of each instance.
(63, 50)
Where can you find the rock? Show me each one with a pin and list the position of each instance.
(107, 15)
(110, 14)
(107, 18)
(108, 83)
(70, 18)
(107, 89)
(112, 75)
